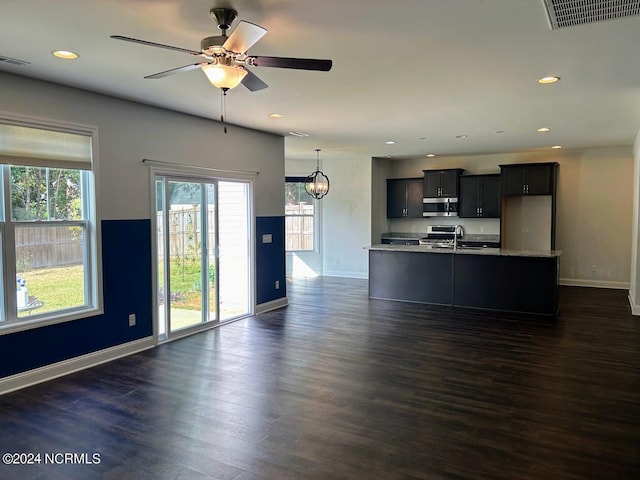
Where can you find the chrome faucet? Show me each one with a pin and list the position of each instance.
(457, 230)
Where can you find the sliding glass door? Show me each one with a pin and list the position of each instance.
(203, 249)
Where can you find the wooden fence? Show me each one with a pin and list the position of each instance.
(299, 227)
(185, 235)
(48, 247)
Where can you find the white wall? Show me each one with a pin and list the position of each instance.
(129, 132)
(347, 217)
(594, 207)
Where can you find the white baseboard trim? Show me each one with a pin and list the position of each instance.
(59, 369)
(575, 282)
(635, 308)
(272, 305)
(362, 275)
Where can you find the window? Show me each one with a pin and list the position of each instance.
(47, 225)
(299, 211)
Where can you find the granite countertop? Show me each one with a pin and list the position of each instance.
(467, 251)
(467, 237)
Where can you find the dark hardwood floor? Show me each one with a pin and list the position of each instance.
(336, 386)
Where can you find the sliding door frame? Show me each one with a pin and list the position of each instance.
(203, 176)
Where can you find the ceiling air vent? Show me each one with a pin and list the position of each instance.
(12, 61)
(566, 13)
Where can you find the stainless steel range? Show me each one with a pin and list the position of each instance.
(442, 236)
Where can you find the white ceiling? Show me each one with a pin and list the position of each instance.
(419, 72)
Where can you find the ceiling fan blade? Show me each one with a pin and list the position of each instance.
(185, 68)
(153, 44)
(253, 82)
(244, 36)
(297, 63)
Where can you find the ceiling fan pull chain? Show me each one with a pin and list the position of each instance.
(223, 107)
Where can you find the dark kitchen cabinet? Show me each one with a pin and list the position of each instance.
(529, 179)
(442, 183)
(404, 198)
(480, 196)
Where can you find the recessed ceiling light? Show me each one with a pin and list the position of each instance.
(299, 134)
(390, 142)
(548, 80)
(461, 136)
(557, 146)
(275, 115)
(544, 129)
(65, 54)
(431, 155)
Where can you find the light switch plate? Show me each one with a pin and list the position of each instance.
(267, 238)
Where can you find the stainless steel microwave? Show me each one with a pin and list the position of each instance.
(440, 207)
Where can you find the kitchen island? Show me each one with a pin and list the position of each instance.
(486, 278)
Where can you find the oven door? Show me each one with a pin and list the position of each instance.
(439, 207)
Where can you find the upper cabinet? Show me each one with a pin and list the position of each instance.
(404, 198)
(442, 183)
(529, 178)
(480, 196)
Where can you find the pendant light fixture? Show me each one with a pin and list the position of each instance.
(317, 184)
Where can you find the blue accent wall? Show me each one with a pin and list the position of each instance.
(270, 259)
(127, 288)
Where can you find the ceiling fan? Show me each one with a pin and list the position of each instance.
(225, 58)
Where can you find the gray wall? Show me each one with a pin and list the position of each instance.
(129, 132)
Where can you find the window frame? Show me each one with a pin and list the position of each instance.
(92, 247)
(315, 248)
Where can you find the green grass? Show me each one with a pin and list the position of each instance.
(58, 288)
(63, 287)
(186, 281)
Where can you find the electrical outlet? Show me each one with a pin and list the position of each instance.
(132, 319)
(277, 284)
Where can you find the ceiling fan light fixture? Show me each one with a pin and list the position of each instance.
(224, 76)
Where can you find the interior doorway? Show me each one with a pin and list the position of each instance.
(203, 253)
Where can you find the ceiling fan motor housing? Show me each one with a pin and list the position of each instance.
(213, 45)
(224, 17)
